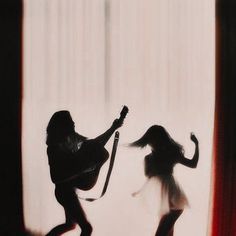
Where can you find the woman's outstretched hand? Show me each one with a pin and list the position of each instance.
(193, 138)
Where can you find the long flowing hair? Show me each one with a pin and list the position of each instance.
(158, 138)
(60, 126)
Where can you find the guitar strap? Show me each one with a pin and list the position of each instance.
(112, 160)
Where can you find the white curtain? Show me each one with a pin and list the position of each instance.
(92, 56)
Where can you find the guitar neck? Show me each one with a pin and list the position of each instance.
(123, 113)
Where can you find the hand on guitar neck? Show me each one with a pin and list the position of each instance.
(117, 123)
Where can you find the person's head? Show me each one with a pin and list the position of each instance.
(59, 126)
(156, 137)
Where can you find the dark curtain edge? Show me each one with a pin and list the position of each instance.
(224, 163)
(11, 57)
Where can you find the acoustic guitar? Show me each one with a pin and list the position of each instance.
(81, 169)
(98, 155)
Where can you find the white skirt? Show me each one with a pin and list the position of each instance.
(162, 193)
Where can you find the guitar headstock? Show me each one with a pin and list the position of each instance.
(124, 112)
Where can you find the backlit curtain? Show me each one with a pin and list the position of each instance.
(91, 57)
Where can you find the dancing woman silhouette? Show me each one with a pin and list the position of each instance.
(75, 162)
(159, 166)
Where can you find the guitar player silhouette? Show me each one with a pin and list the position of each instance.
(75, 162)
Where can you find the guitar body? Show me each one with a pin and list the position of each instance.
(86, 181)
(79, 169)
(96, 155)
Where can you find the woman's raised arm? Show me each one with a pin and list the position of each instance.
(192, 163)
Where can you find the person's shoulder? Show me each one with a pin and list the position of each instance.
(175, 154)
(149, 155)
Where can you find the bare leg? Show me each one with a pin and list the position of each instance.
(63, 228)
(166, 225)
(75, 214)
